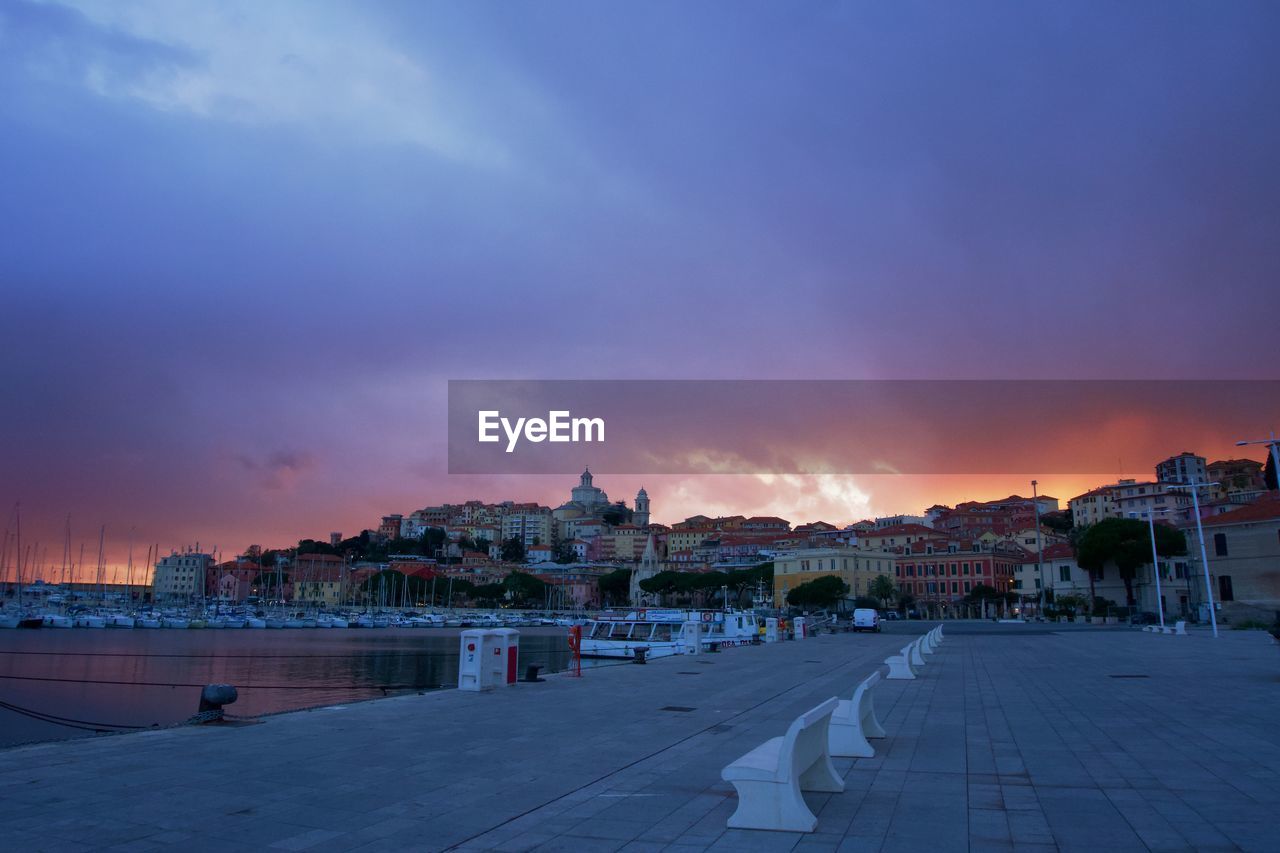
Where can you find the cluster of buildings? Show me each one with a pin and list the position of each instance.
(1019, 547)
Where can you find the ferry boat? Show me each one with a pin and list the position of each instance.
(660, 632)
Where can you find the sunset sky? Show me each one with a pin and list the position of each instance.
(246, 245)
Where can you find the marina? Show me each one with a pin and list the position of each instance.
(124, 680)
(1066, 757)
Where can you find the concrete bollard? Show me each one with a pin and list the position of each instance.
(640, 652)
(531, 673)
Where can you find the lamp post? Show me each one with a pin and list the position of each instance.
(1155, 561)
(1275, 451)
(1204, 557)
(1035, 500)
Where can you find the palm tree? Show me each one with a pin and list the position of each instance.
(883, 589)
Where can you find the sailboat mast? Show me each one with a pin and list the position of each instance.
(66, 552)
(102, 566)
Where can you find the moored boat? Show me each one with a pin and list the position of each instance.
(662, 632)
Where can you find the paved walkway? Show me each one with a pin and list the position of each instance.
(1016, 737)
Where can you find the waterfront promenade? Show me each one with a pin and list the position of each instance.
(1014, 738)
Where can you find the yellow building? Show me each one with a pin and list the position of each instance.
(856, 567)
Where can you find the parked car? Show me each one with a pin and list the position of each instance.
(866, 619)
(890, 615)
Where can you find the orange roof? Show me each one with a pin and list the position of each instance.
(901, 530)
(1264, 509)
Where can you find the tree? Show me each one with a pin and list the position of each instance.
(1269, 472)
(491, 593)
(1126, 542)
(1071, 603)
(431, 541)
(482, 545)
(819, 592)
(881, 588)
(512, 550)
(523, 588)
(661, 584)
(615, 587)
(314, 546)
(1059, 522)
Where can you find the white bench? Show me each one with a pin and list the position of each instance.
(854, 721)
(928, 643)
(1180, 627)
(770, 777)
(917, 659)
(900, 665)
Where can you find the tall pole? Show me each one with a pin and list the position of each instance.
(1204, 558)
(1035, 500)
(1155, 562)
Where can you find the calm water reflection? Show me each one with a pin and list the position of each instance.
(144, 677)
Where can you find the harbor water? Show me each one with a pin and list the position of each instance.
(57, 684)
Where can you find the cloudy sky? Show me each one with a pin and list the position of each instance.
(245, 245)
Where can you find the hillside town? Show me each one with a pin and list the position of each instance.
(1016, 555)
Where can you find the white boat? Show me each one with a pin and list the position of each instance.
(254, 622)
(329, 620)
(9, 620)
(275, 621)
(174, 622)
(90, 620)
(147, 620)
(661, 632)
(119, 620)
(56, 620)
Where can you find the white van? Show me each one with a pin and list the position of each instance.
(866, 619)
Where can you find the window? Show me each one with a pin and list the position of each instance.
(1225, 592)
(1220, 544)
(1064, 574)
(964, 568)
(955, 587)
(967, 586)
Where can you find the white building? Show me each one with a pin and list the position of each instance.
(180, 577)
(1186, 467)
(529, 528)
(1128, 499)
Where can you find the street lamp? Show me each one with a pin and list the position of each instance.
(1035, 500)
(1274, 444)
(1155, 559)
(1204, 557)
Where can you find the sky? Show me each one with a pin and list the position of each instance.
(246, 245)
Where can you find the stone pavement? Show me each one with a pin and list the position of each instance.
(1015, 737)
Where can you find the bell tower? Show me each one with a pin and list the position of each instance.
(641, 516)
